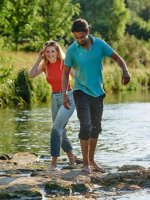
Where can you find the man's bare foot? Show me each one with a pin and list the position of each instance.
(72, 160)
(96, 167)
(52, 168)
(86, 169)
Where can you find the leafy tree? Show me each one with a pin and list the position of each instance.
(55, 18)
(139, 25)
(109, 17)
(141, 8)
(139, 28)
(145, 13)
(34, 21)
(17, 16)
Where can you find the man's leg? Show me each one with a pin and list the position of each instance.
(85, 153)
(93, 143)
(83, 113)
(92, 163)
(96, 117)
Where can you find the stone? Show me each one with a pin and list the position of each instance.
(26, 177)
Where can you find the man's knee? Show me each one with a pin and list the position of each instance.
(85, 132)
(95, 132)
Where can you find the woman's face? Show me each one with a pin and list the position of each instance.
(51, 53)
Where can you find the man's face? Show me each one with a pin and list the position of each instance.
(81, 37)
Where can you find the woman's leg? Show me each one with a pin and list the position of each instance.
(65, 141)
(58, 133)
(65, 144)
(54, 111)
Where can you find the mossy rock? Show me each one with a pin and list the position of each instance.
(80, 187)
(20, 193)
(27, 193)
(4, 195)
(58, 189)
(131, 167)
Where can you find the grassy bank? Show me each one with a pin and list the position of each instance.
(18, 89)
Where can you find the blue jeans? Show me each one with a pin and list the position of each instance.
(60, 117)
(89, 112)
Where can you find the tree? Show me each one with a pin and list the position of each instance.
(36, 21)
(108, 18)
(17, 17)
(139, 25)
(56, 17)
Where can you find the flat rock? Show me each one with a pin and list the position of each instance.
(25, 174)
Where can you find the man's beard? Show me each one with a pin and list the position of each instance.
(83, 44)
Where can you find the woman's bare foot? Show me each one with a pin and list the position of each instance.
(72, 160)
(53, 164)
(86, 169)
(96, 167)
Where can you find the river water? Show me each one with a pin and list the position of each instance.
(125, 138)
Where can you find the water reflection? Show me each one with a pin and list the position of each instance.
(128, 96)
(24, 130)
(124, 139)
(22, 127)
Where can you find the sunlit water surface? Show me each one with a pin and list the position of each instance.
(125, 138)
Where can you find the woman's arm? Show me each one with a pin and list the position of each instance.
(37, 67)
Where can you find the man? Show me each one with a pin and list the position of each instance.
(85, 55)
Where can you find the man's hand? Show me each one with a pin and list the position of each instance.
(122, 64)
(125, 77)
(66, 101)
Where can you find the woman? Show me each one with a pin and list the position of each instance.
(50, 61)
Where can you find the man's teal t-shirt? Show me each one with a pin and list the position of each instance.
(88, 65)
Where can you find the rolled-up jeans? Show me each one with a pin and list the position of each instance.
(60, 117)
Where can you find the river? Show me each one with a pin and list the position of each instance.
(125, 138)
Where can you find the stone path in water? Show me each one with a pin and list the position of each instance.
(27, 176)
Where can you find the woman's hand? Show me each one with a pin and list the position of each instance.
(41, 54)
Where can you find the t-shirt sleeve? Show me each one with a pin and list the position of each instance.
(106, 49)
(68, 59)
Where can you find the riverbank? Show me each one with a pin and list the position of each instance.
(25, 175)
(17, 89)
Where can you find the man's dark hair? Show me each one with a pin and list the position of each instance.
(80, 25)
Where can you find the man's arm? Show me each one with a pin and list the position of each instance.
(122, 64)
(65, 79)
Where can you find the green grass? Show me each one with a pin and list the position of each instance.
(18, 89)
(18, 59)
